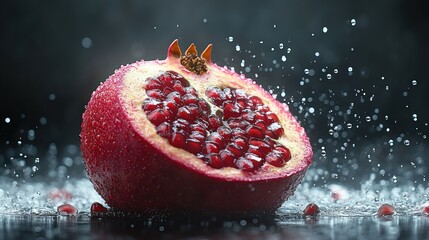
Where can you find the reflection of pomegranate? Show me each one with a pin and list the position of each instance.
(183, 134)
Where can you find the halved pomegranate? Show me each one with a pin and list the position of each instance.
(183, 134)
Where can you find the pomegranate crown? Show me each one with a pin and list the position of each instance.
(191, 60)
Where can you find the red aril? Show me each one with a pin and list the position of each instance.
(386, 210)
(311, 210)
(98, 208)
(183, 134)
(67, 209)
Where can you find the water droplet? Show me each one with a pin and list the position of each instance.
(237, 48)
(204, 20)
(325, 29)
(284, 58)
(7, 120)
(414, 82)
(350, 69)
(230, 39)
(406, 142)
(281, 45)
(86, 42)
(328, 76)
(306, 71)
(353, 22)
(316, 54)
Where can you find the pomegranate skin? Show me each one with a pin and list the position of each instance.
(133, 174)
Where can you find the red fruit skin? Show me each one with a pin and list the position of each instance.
(133, 175)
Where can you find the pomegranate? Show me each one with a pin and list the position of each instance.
(184, 135)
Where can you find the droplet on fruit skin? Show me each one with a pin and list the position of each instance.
(311, 210)
(386, 210)
(67, 210)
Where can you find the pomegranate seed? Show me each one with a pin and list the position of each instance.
(204, 106)
(276, 159)
(210, 147)
(336, 196)
(153, 83)
(254, 131)
(216, 138)
(184, 113)
(311, 210)
(98, 208)
(240, 94)
(216, 95)
(67, 209)
(426, 210)
(241, 143)
(156, 117)
(155, 93)
(168, 90)
(244, 164)
(215, 160)
(259, 116)
(235, 150)
(248, 115)
(181, 125)
(271, 117)
(228, 93)
(242, 103)
(171, 105)
(178, 87)
(255, 100)
(276, 128)
(225, 132)
(177, 139)
(191, 90)
(196, 127)
(214, 122)
(238, 132)
(197, 136)
(271, 134)
(150, 104)
(169, 116)
(166, 79)
(386, 210)
(190, 99)
(193, 145)
(285, 151)
(256, 160)
(261, 124)
(231, 110)
(164, 129)
(175, 96)
(259, 146)
(227, 158)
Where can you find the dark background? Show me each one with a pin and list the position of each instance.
(55, 53)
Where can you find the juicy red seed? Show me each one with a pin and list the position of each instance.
(426, 210)
(97, 207)
(190, 99)
(255, 100)
(225, 132)
(181, 125)
(168, 90)
(191, 90)
(271, 117)
(231, 110)
(204, 106)
(240, 142)
(228, 93)
(215, 161)
(164, 129)
(216, 95)
(285, 151)
(255, 159)
(193, 145)
(248, 115)
(197, 136)
(169, 116)
(271, 134)
(386, 210)
(240, 94)
(244, 164)
(227, 158)
(254, 131)
(175, 96)
(150, 104)
(260, 145)
(311, 210)
(198, 128)
(153, 83)
(214, 122)
(184, 113)
(178, 87)
(67, 209)
(276, 128)
(216, 138)
(276, 158)
(242, 103)
(171, 104)
(261, 124)
(259, 116)
(155, 93)
(238, 132)
(210, 147)
(177, 139)
(156, 117)
(235, 150)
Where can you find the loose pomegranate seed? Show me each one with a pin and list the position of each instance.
(426, 210)
(311, 210)
(67, 209)
(242, 133)
(97, 207)
(386, 210)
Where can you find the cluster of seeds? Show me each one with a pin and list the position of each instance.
(240, 134)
